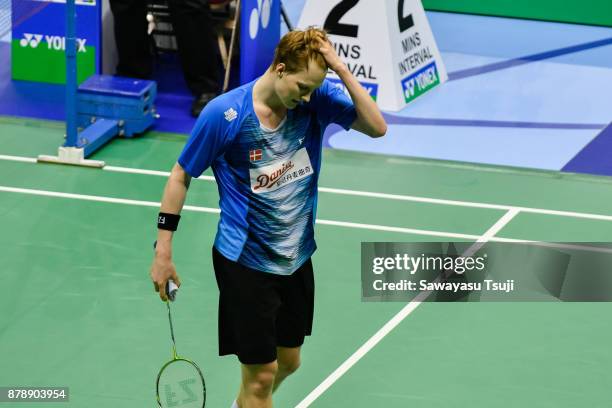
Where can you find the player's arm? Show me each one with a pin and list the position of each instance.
(173, 199)
(210, 136)
(369, 118)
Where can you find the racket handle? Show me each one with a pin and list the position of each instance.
(171, 290)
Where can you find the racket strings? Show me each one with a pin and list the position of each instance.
(180, 383)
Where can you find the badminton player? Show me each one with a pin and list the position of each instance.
(263, 141)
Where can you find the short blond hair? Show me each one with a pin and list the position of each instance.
(298, 47)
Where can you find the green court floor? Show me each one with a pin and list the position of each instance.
(78, 308)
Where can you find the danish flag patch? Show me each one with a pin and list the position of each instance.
(255, 155)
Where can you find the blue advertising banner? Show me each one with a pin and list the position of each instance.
(39, 40)
(259, 34)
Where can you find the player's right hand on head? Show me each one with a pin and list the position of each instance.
(162, 270)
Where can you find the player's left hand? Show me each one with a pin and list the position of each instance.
(331, 57)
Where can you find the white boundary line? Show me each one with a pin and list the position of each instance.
(457, 203)
(372, 227)
(17, 158)
(397, 319)
(124, 201)
(148, 172)
(100, 199)
(396, 229)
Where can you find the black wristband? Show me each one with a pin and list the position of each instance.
(167, 221)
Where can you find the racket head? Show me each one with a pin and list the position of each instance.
(180, 383)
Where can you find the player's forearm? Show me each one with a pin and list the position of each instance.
(368, 114)
(172, 202)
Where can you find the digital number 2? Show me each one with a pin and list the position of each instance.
(405, 22)
(333, 24)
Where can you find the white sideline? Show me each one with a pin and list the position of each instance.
(124, 201)
(319, 221)
(457, 203)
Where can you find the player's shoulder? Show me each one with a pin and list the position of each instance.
(229, 106)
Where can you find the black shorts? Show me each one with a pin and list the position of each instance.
(259, 311)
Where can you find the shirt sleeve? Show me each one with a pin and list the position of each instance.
(209, 138)
(334, 106)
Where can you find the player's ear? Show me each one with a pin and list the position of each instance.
(280, 69)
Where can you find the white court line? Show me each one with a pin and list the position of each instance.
(397, 229)
(415, 199)
(397, 319)
(103, 199)
(457, 203)
(18, 158)
(136, 171)
(148, 172)
(344, 224)
(554, 245)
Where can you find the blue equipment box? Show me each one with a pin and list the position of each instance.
(128, 101)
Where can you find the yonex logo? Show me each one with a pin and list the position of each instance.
(54, 42)
(31, 40)
(230, 114)
(262, 12)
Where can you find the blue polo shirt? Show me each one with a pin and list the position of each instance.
(267, 178)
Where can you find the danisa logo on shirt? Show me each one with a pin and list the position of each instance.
(280, 173)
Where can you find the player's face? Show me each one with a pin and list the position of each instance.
(296, 87)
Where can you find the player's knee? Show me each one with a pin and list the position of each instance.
(289, 367)
(261, 381)
(261, 386)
